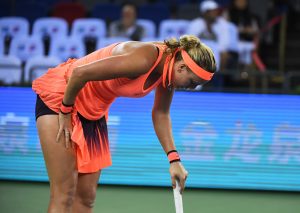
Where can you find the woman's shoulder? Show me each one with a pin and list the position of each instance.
(137, 48)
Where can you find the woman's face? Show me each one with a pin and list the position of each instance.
(184, 78)
(128, 15)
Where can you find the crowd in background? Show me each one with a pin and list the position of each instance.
(229, 27)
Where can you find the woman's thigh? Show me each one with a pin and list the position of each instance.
(60, 161)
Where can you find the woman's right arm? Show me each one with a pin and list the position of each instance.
(128, 65)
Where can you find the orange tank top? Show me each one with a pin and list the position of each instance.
(95, 98)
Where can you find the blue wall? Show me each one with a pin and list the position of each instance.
(242, 141)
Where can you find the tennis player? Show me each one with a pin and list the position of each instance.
(73, 100)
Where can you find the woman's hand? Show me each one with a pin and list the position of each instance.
(178, 172)
(65, 128)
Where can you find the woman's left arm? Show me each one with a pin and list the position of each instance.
(163, 128)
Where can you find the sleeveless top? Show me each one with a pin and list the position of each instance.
(95, 97)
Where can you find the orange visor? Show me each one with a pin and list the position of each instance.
(199, 71)
(168, 67)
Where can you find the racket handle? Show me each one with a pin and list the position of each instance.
(178, 199)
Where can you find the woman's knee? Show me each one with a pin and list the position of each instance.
(86, 196)
(63, 195)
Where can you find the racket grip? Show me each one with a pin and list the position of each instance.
(177, 186)
(178, 198)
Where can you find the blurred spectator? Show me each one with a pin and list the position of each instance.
(211, 26)
(240, 14)
(127, 26)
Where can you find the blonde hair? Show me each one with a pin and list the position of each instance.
(197, 50)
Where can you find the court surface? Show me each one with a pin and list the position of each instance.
(32, 197)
